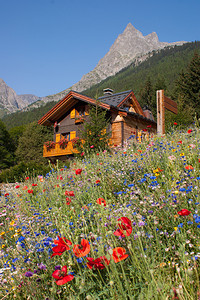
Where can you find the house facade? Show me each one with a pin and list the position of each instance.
(125, 114)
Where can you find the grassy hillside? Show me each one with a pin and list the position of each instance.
(121, 226)
(162, 68)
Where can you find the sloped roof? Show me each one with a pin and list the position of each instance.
(115, 99)
(107, 102)
(66, 104)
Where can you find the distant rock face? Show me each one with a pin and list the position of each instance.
(12, 102)
(129, 46)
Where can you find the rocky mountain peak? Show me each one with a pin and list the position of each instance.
(10, 101)
(129, 46)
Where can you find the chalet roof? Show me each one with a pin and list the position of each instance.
(108, 102)
(65, 105)
(115, 99)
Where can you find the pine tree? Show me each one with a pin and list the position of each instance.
(6, 148)
(146, 93)
(30, 144)
(188, 84)
(94, 133)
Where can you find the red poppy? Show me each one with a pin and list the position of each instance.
(61, 276)
(190, 130)
(175, 123)
(78, 171)
(30, 191)
(27, 178)
(82, 154)
(59, 177)
(34, 184)
(71, 193)
(83, 249)
(6, 194)
(184, 212)
(68, 201)
(97, 153)
(144, 129)
(92, 146)
(179, 142)
(189, 167)
(62, 246)
(97, 181)
(101, 201)
(98, 263)
(119, 254)
(148, 126)
(17, 186)
(125, 227)
(199, 160)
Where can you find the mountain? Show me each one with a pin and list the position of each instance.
(164, 66)
(129, 46)
(11, 102)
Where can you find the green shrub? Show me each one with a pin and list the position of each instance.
(20, 171)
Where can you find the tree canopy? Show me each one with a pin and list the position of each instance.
(6, 148)
(30, 147)
(95, 132)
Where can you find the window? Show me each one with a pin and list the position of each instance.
(66, 136)
(69, 135)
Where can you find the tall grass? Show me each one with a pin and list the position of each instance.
(149, 183)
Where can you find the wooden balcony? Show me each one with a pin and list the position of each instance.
(57, 150)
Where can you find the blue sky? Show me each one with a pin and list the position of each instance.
(48, 45)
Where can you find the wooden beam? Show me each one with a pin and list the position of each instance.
(170, 105)
(171, 108)
(160, 112)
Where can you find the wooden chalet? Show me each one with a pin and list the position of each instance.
(126, 119)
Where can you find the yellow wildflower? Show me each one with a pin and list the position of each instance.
(12, 222)
(2, 233)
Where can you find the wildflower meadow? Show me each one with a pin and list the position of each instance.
(120, 225)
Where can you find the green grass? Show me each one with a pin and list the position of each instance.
(147, 183)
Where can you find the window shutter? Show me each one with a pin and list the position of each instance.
(72, 114)
(72, 135)
(57, 138)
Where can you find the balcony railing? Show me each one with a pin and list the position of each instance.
(58, 150)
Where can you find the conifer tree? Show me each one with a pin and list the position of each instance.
(6, 148)
(94, 133)
(30, 144)
(146, 93)
(188, 84)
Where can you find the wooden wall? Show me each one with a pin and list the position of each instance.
(67, 124)
(116, 133)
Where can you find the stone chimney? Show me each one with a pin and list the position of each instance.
(148, 114)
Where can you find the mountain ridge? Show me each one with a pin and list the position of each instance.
(118, 57)
(10, 101)
(130, 46)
